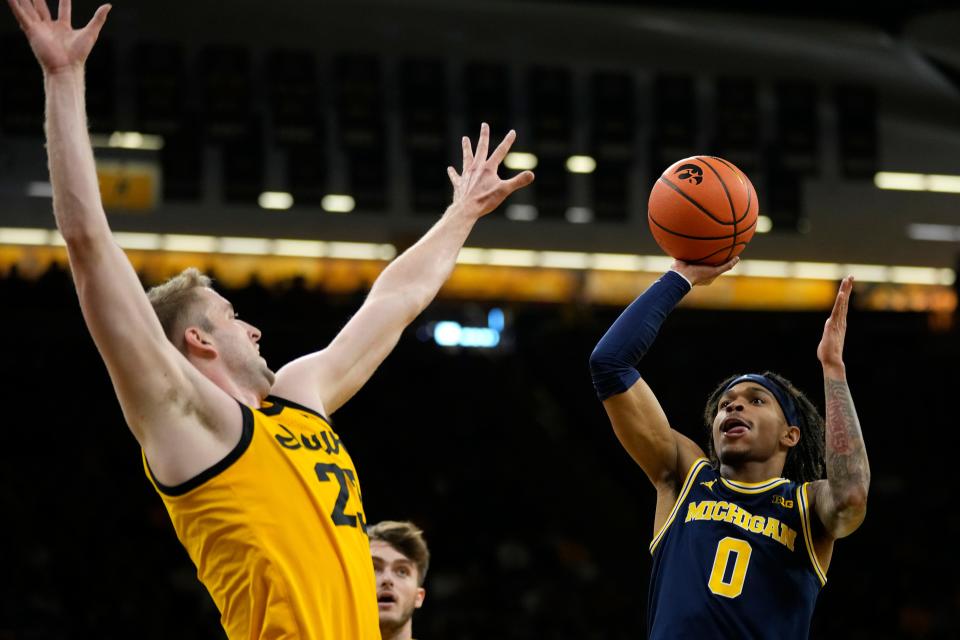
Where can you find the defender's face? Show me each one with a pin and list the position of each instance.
(749, 424)
(237, 342)
(398, 593)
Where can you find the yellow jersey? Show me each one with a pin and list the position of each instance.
(277, 531)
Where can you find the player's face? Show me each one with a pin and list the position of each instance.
(237, 343)
(398, 594)
(749, 425)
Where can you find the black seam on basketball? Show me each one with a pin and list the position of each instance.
(733, 210)
(684, 235)
(749, 188)
(749, 185)
(692, 201)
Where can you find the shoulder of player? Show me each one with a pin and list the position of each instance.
(811, 491)
(184, 422)
(292, 388)
(689, 455)
(174, 393)
(691, 460)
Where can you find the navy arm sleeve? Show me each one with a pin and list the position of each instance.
(613, 363)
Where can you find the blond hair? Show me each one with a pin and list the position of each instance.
(407, 538)
(174, 302)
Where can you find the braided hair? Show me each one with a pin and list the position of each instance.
(805, 460)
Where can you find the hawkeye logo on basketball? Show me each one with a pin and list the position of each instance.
(691, 173)
(724, 511)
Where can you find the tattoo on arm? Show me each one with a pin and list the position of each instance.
(847, 465)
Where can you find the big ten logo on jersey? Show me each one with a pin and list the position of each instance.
(783, 502)
(326, 441)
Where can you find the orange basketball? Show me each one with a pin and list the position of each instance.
(703, 209)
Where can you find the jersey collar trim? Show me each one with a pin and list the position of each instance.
(753, 487)
(278, 403)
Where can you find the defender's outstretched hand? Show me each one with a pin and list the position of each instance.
(57, 45)
(478, 188)
(830, 350)
(702, 273)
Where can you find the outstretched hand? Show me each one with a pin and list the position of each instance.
(830, 350)
(57, 45)
(702, 273)
(478, 188)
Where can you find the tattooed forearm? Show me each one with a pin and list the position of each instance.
(848, 471)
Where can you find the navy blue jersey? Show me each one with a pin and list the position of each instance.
(734, 560)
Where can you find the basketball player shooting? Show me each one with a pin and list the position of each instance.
(259, 487)
(738, 550)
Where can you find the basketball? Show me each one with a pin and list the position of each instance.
(703, 209)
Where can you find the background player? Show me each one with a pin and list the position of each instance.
(259, 487)
(400, 563)
(738, 551)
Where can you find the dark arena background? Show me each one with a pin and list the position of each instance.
(291, 150)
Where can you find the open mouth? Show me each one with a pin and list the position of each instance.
(734, 427)
(386, 598)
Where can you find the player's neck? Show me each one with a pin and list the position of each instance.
(219, 376)
(752, 471)
(240, 392)
(404, 632)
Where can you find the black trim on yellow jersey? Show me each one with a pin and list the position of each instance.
(246, 436)
(279, 403)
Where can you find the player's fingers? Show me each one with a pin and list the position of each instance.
(27, 11)
(98, 19)
(844, 308)
(467, 153)
(18, 13)
(483, 144)
(501, 151)
(835, 312)
(64, 12)
(846, 301)
(454, 177)
(729, 264)
(518, 181)
(42, 9)
(843, 296)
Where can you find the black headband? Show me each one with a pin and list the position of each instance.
(787, 404)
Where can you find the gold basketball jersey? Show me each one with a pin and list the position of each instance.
(277, 531)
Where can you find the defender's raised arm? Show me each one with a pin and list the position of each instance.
(154, 382)
(62, 52)
(328, 378)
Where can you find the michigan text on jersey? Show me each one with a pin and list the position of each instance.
(727, 512)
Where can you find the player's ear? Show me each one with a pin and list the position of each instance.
(418, 601)
(198, 342)
(790, 437)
